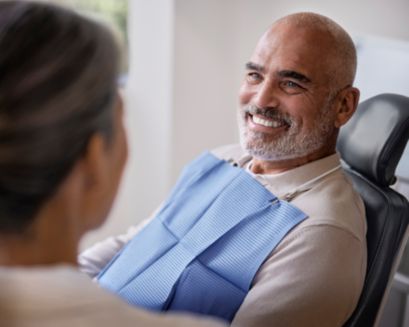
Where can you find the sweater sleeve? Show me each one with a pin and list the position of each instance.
(313, 278)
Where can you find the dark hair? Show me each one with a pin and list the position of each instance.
(58, 75)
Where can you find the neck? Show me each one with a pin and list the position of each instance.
(54, 233)
(52, 238)
(260, 166)
(19, 251)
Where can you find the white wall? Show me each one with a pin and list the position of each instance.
(148, 96)
(204, 78)
(186, 62)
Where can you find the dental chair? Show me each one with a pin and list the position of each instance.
(370, 145)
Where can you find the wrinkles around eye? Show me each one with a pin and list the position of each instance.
(252, 76)
(292, 87)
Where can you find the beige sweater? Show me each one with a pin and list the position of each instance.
(60, 296)
(315, 275)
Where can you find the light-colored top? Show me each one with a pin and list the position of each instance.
(63, 297)
(314, 277)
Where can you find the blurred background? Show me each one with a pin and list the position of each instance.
(183, 62)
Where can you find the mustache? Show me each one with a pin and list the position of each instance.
(271, 113)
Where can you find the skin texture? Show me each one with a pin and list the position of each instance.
(81, 203)
(295, 80)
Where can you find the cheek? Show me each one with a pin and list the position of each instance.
(302, 109)
(309, 121)
(125, 150)
(244, 95)
(122, 151)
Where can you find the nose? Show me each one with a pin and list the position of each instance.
(266, 95)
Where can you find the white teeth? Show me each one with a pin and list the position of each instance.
(267, 123)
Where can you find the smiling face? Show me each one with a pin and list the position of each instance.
(287, 97)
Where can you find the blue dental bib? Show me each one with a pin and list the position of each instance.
(203, 249)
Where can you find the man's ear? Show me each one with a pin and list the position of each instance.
(346, 106)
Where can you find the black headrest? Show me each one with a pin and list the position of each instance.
(372, 142)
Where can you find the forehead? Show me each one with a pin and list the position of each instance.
(286, 47)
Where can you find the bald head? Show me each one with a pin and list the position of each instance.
(335, 44)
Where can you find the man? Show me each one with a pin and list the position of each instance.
(297, 92)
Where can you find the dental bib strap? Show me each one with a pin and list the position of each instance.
(203, 249)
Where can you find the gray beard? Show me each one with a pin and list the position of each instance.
(292, 145)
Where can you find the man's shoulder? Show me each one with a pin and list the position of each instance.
(230, 151)
(335, 203)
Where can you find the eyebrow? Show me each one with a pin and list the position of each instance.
(253, 66)
(295, 75)
(283, 73)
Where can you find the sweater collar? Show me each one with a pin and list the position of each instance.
(291, 180)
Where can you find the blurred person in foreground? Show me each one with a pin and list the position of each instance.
(62, 152)
(269, 233)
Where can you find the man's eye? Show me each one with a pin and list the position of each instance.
(253, 77)
(290, 84)
(291, 87)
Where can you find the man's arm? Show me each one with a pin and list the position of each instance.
(94, 259)
(314, 278)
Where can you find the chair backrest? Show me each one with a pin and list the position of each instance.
(371, 144)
